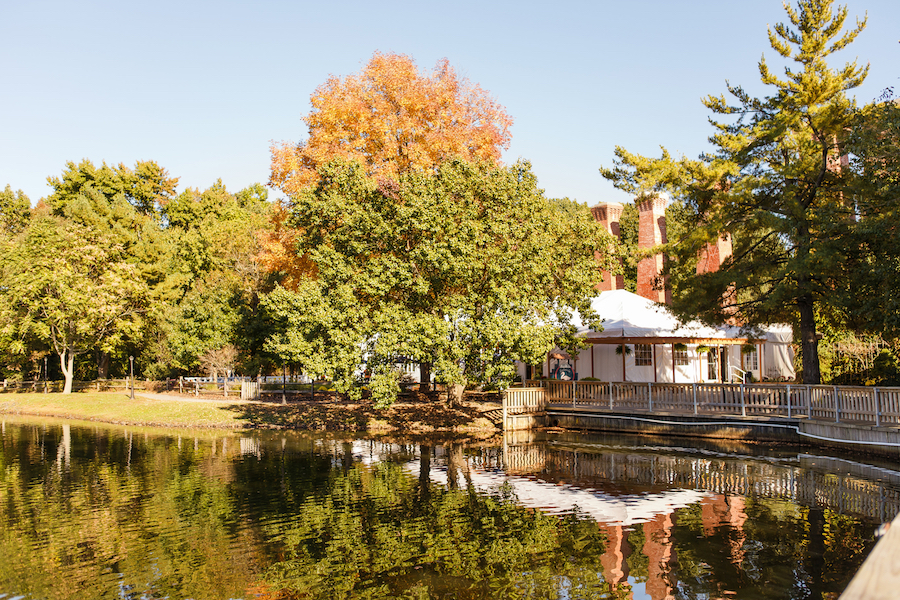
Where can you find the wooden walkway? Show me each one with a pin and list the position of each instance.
(837, 404)
(879, 577)
(860, 418)
(869, 405)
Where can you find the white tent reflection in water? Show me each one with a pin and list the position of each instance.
(560, 499)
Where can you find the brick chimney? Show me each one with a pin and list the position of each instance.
(652, 232)
(608, 215)
(713, 255)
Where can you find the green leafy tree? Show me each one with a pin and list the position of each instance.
(124, 204)
(15, 211)
(147, 187)
(468, 268)
(210, 295)
(71, 287)
(774, 181)
(874, 148)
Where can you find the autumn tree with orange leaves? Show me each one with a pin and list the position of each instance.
(392, 119)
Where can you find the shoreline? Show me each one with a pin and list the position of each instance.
(415, 416)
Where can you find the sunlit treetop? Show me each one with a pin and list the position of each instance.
(393, 119)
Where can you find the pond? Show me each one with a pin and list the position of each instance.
(91, 511)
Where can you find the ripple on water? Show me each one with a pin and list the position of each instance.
(141, 516)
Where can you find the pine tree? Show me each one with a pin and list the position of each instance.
(775, 180)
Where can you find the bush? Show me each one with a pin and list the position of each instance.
(384, 385)
(886, 369)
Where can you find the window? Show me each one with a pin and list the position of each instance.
(712, 364)
(643, 355)
(751, 359)
(681, 357)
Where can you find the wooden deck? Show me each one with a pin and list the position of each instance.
(879, 577)
(864, 418)
(870, 405)
(862, 405)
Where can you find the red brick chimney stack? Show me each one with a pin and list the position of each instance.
(713, 255)
(608, 215)
(652, 232)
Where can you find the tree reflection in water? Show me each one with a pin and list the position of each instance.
(100, 512)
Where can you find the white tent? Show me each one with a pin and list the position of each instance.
(627, 315)
(642, 341)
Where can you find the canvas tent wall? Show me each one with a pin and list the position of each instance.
(658, 348)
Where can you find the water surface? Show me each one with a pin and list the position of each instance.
(91, 511)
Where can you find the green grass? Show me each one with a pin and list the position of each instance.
(117, 407)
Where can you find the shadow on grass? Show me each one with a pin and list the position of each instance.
(414, 413)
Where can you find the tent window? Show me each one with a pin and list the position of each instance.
(712, 364)
(643, 355)
(681, 357)
(751, 360)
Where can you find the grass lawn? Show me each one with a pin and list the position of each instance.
(419, 414)
(117, 407)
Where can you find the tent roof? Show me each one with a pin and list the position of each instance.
(629, 318)
(627, 315)
(778, 333)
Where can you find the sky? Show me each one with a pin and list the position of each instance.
(204, 88)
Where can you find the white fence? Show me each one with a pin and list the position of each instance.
(867, 405)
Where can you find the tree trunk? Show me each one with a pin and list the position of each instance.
(67, 364)
(815, 554)
(424, 473)
(809, 342)
(425, 377)
(103, 365)
(455, 393)
(455, 464)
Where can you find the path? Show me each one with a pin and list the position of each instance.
(184, 398)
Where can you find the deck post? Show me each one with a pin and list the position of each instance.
(573, 393)
(789, 400)
(610, 396)
(877, 409)
(694, 386)
(837, 405)
(743, 404)
(808, 403)
(650, 396)
(505, 397)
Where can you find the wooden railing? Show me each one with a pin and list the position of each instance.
(869, 405)
(519, 401)
(46, 387)
(226, 388)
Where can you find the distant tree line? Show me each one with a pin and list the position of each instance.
(113, 263)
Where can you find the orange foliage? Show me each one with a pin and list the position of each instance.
(392, 119)
(278, 253)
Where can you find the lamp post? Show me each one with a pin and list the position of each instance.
(131, 360)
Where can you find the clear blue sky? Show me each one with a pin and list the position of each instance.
(203, 87)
